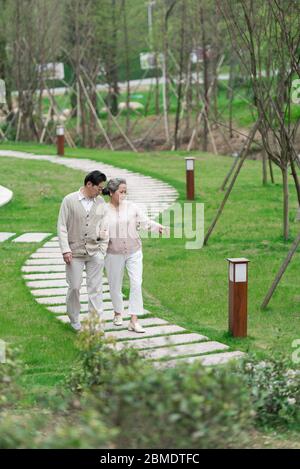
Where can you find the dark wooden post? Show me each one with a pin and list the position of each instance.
(238, 296)
(190, 177)
(60, 139)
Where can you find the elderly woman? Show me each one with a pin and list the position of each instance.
(125, 250)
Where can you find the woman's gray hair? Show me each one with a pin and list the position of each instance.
(113, 185)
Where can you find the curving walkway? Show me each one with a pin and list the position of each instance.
(44, 273)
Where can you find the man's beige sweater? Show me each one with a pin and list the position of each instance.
(80, 232)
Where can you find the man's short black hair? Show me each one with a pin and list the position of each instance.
(95, 177)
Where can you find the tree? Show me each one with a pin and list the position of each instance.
(260, 43)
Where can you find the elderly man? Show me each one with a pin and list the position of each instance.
(83, 237)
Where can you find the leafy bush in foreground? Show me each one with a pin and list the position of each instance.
(186, 406)
(120, 400)
(274, 389)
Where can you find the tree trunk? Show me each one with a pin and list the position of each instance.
(241, 162)
(271, 171)
(205, 82)
(295, 177)
(285, 203)
(127, 67)
(181, 65)
(281, 271)
(83, 116)
(264, 168)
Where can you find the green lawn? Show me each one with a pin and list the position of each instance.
(186, 287)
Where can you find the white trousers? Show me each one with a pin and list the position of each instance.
(94, 271)
(115, 265)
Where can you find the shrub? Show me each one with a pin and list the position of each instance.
(17, 431)
(9, 371)
(85, 430)
(185, 406)
(97, 358)
(274, 389)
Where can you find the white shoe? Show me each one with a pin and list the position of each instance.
(76, 326)
(118, 321)
(135, 327)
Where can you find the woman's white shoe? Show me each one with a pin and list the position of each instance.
(76, 326)
(118, 321)
(135, 327)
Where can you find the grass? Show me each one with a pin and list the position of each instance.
(186, 287)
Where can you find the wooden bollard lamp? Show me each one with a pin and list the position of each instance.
(190, 177)
(238, 296)
(60, 135)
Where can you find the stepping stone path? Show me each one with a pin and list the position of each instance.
(44, 272)
(5, 195)
(5, 235)
(31, 237)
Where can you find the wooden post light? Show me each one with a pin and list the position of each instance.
(190, 177)
(60, 139)
(238, 292)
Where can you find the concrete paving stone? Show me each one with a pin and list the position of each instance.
(5, 195)
(152, 197)
(46, 255)
(187, 349)
(221, 358)
(4, 235)
(58, 300)
(55, 276)
(107, 308)
(51, 244)
(61, 291)
(149, 182)
(157, 193)
(162, 341)
(56, 261)
(59, 309)
(151, 331)
(153, 189)
(109, 325)
(31, 237)
(108, 316)
(43, 268)
(48, 250)
(53, 239)
(154, 207)
(49, 283)
(63, 309)
(147, 205)
(158, 202)
(212, 359)
(54, 283)
(147, 322)
(45, 276)
(148, 188)
(53, 291)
